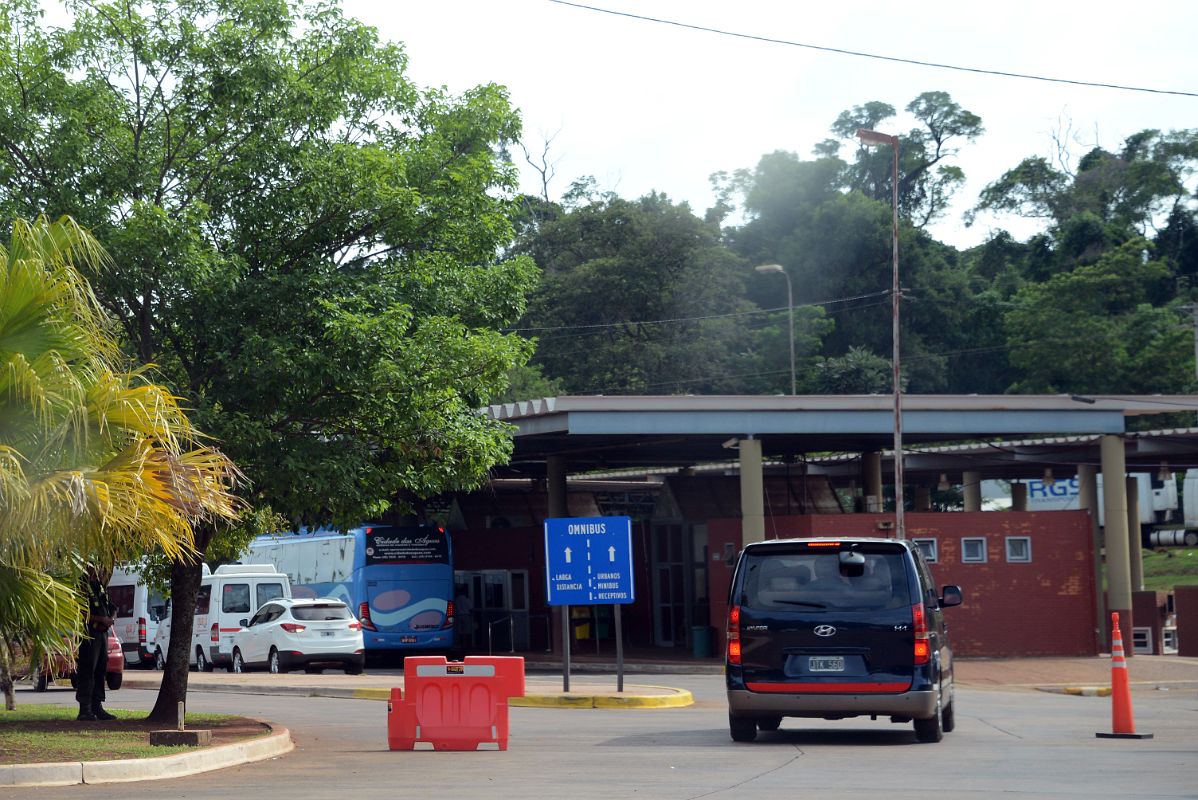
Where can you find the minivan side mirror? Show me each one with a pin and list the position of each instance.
(951, 596)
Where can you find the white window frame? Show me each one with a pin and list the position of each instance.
(1013, 560)
(965, 559)
(930, 554)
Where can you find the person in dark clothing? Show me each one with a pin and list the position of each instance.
(91, 666)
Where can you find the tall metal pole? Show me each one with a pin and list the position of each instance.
(1193, 309)
(874, 137)
(896, 298)
(790, 312)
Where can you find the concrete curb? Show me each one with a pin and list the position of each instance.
(673, 698)
(677, 698)
(69, 773)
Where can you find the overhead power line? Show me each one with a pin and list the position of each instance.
(860, 54)
(750, 312)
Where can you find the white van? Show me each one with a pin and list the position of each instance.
(162, 637)
(139, 609)
(226, 598)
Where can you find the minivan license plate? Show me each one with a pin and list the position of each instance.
(826, 664)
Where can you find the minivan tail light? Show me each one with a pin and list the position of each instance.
(734, 636)
(923, 645)
(214, 633)
(141, 630)
(364, 616)
(448, 623)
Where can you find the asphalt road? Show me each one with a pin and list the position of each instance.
(1008, 743)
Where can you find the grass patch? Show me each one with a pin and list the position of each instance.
(28, 747)
(42, 733)
(1166, 567)
(42, 712)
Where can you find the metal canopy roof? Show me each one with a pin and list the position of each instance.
(605, 433)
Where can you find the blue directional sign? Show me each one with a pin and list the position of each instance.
(588, 561)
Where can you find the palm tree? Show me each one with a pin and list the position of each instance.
(97, 463)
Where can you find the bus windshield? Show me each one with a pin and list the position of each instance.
(392, 545)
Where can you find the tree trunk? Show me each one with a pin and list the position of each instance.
(185, 584)
(10, 698)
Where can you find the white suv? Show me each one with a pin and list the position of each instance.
(312, 633)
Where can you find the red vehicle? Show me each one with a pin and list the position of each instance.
(63, 667)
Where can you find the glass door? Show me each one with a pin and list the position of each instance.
(671, 590)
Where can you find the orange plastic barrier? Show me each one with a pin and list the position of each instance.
(454, 705)
(1123, 725)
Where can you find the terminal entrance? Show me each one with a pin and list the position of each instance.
(491, 607)
(679, 569)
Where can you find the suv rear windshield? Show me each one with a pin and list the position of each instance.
(324, 611)
(778, 579)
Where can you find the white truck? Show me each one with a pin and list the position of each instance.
(1157, 501)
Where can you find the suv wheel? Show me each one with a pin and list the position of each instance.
(238, 663)
(273, 664)
(743, 729)
(768, 723)
(930, 730)
(948, 719)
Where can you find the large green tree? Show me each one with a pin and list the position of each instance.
(1145, 188)
(305, 240)
(1101, 328)
(97, 463)
(836, 246)
(927, 177)
(640, 296)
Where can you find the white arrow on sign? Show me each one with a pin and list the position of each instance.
(611, 554)
(567, 555)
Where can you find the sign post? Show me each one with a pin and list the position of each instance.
(588, 561)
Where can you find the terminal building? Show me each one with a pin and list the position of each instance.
(702, 476)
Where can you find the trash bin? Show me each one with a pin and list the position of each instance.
(701, 636)
(603, 621)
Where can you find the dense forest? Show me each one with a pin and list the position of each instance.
(646, 296)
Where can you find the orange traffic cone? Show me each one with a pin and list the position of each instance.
(1123, 726)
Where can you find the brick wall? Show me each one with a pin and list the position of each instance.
(1044, 607)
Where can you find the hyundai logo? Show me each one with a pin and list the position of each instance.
(825, 630)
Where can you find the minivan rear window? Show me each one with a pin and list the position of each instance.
(802, 579)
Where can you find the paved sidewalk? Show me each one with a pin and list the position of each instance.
(1050, 673)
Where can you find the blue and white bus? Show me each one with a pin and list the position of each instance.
(398, 580)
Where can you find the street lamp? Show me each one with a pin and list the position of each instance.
(790, 313)
(873, 137)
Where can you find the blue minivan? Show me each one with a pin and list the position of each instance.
(834, 628)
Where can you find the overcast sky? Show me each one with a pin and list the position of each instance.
(644, 106)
